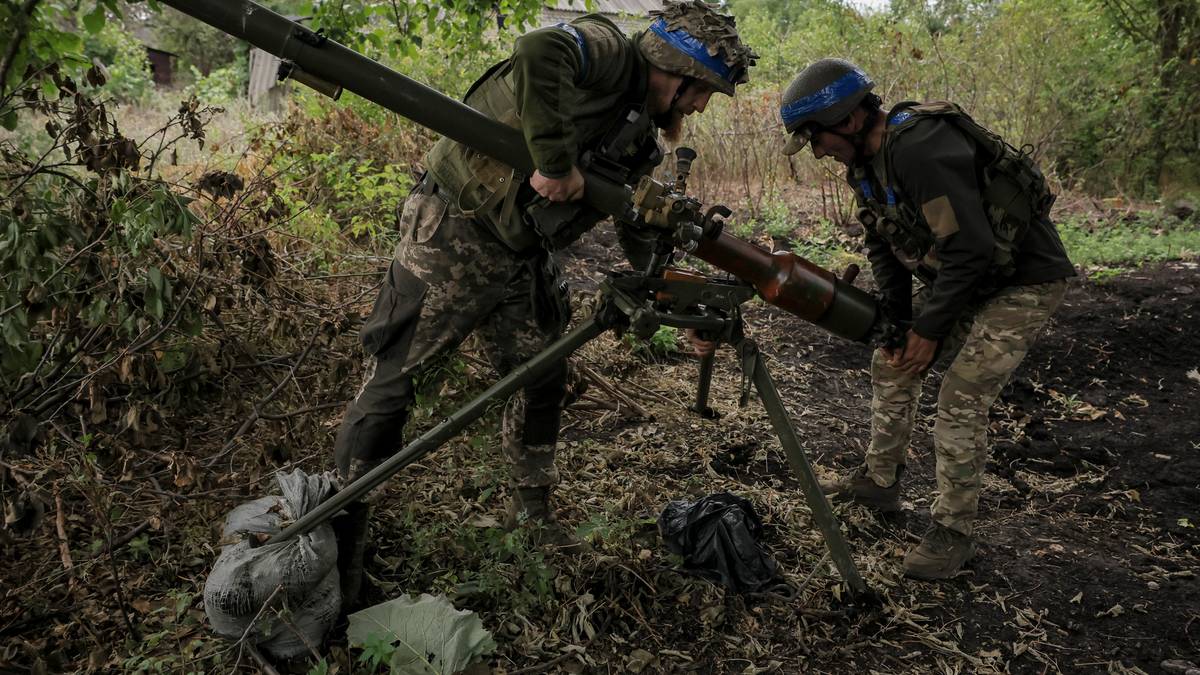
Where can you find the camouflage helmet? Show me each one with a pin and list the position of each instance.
(822, 95)
(690, 38)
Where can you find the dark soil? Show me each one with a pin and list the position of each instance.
(1088, 524)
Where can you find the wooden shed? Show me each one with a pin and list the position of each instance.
(162, 66)
(630, 15)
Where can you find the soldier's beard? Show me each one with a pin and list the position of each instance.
(671, 124)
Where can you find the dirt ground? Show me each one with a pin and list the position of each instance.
(1088, 555)
(1089, 518)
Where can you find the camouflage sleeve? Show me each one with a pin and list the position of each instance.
(894, 279)
(934, 165)
(551, 62)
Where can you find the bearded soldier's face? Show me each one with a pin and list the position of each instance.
(671, 99)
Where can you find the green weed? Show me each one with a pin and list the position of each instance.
(1116, 246)
(611, 530)
(664, 342)
(494, 566)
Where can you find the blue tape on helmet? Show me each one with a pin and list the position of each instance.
(683, 41)
(847, 85)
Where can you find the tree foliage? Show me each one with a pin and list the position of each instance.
(386, 28)
(1106, 91)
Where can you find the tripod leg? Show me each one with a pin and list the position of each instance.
(701, 406)
(822, 514)
(456, 422)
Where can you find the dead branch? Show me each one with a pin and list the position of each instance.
(607, 386)
(257, 412)
(118, 590)
(261, 660)
(304, 411)
(60, 527)
(120, 541)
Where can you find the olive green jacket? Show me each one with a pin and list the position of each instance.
(565, 87)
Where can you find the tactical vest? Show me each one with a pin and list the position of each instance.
(1014, 191)
(493, 193)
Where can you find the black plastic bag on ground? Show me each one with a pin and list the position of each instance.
(718, 538)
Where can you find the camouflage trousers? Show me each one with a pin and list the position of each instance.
(987, 344)
(450, 277)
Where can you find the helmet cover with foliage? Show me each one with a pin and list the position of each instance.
(822, 95)
(692, 39)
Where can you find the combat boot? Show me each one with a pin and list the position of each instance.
(350, 528)
(530, 508)
(940, 555)
(862, 489)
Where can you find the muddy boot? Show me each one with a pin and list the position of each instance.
(940, 555)
(862, 489)
(530, 508)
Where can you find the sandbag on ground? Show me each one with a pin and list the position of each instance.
(299, 574)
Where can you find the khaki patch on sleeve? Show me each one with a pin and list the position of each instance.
(940, 216)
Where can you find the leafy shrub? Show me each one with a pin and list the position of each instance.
(220, 86)
(664, 342)
(129, 76)
(84, 250)
(339, 173)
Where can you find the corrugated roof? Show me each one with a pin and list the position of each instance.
(635, 7)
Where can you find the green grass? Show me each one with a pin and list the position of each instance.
(823, 243)
(1104, 248)
(1108, 248)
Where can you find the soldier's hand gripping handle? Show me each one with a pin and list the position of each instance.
(565, 189)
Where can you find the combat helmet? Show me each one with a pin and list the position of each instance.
(692, 39)
(822, 95)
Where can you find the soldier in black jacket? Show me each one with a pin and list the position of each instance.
(946, 201)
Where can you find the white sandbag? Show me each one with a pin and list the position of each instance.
(307, 623)
(299, 574)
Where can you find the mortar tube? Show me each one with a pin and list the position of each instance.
(790, 282)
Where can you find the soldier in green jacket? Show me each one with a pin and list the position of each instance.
(477, 239)
(946, 201)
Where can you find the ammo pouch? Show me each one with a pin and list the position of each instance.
(477, 185)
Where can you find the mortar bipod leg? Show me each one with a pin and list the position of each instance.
(826, 521)
(447, 429)
(703, 385)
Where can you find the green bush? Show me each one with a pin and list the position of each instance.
(221, 85)
(340, 174)
(129, 76)
(84, 247)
